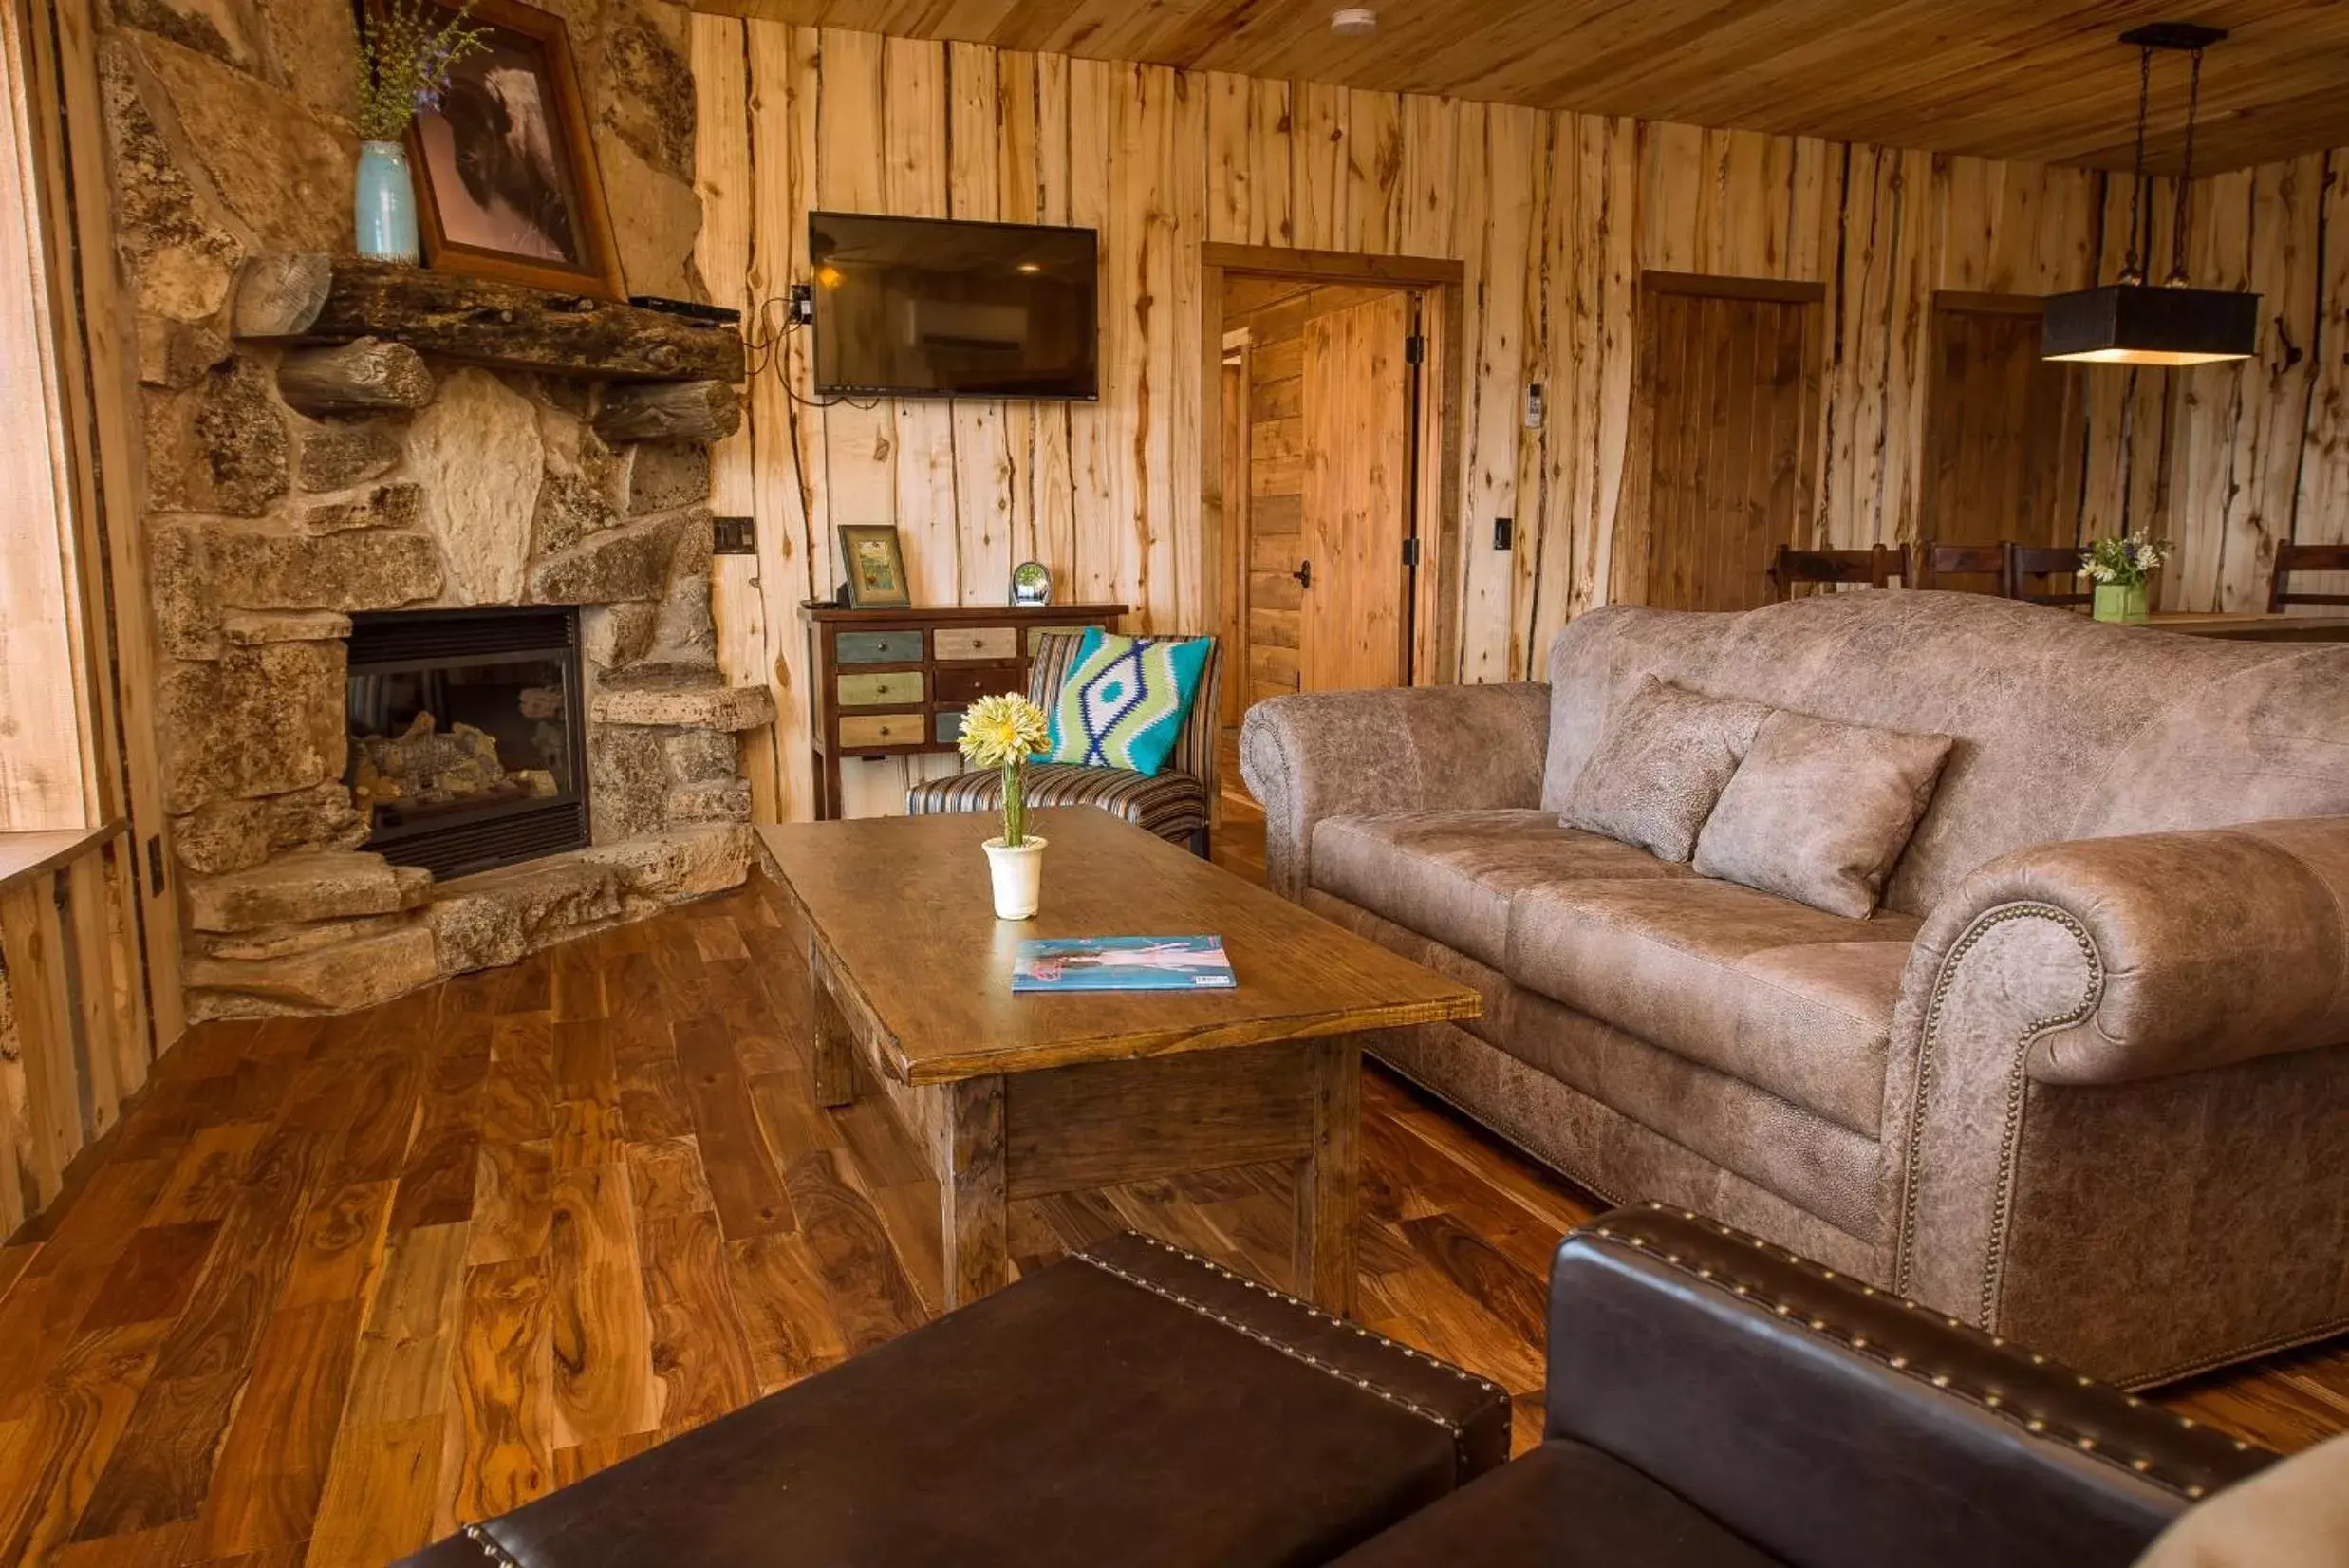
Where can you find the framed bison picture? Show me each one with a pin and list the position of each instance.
(507, 187)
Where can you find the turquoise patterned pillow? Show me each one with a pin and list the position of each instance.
(1125, 700)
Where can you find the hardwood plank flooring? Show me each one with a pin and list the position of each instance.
(338, 1286)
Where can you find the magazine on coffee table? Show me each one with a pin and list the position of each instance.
(1122, 964)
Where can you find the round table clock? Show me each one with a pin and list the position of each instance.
(1032, 584)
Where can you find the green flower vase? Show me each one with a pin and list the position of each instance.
(2120, 602)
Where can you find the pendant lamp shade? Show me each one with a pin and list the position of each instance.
(2134, 322)
(2150, 324)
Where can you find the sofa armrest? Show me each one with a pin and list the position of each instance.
(1832, 1424)
(1363, 753)
(2124, 958)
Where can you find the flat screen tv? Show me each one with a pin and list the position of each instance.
(927, 307)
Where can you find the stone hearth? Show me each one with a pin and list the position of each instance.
(497, 490)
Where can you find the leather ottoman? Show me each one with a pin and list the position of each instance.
(1132, 1405)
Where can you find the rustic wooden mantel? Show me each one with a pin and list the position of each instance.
(307, 297)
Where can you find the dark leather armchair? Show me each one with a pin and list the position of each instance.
(1716, 1400)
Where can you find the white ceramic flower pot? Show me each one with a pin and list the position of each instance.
(1018, 876)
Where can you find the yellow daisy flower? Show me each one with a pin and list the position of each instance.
(1001, 732)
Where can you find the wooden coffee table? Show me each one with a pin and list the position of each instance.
(1020, 1096)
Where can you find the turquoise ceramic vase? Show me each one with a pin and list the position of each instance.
(2124, 602)
(384, 207)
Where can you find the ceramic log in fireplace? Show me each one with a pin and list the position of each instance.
(468, 736)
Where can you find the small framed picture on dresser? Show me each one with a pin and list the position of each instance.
(874, 564)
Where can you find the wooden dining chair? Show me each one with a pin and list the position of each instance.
(1875, 567)
(1936, 562)
(2292, 558)
(2058, 564)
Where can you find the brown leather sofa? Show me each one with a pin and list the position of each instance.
(1716, 1402)
(2079, 1081)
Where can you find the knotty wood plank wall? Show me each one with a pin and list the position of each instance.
(1554, 215)
(74, 1038)
(2257, 454)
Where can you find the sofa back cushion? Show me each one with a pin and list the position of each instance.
(1665, 758)
(2061, 728)
(1820, 811)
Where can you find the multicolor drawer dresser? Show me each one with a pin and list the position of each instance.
(893, 682)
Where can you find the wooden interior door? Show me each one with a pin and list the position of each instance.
(1357, 509)
(1726, 423)
(2003, 429)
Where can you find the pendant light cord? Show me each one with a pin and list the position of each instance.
(2133, 269)
(2185, 176)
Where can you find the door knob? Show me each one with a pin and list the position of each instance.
(1304, 574)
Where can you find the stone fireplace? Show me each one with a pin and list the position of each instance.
(324, 444)
(468, 736)
(444, 683)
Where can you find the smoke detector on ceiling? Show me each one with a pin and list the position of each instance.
(1354, 22)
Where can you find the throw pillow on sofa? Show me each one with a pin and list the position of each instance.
(1665, 757)
(1124, 700)
(1820, 811)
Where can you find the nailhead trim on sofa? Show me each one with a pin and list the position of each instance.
(1987, 1399)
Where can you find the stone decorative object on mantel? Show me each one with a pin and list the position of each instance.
(379, 451)
(307, 297)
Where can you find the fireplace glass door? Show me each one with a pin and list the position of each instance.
(466, 739)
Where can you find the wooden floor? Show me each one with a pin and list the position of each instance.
(334, 1288)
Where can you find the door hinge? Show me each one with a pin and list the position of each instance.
(1414, 349)
(1411, 552)
(155, 865)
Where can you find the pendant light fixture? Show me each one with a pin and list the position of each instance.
(2134, 322)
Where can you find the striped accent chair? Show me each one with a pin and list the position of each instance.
(1174, 805)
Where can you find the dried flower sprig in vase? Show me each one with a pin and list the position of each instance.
(2119, 568)
(406, 50)
(1005, 732)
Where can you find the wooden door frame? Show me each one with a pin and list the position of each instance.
(95, 340)
(1628, 546)
(1441, 288)
(1232, 577)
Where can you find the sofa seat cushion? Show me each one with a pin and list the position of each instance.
(1768, 991)
(1451, 875)
(1492, 987)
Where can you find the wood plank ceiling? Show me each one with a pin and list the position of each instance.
(2037, 80)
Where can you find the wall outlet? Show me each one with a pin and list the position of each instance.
(1504, 529)
(732, 537)
(1535, 408)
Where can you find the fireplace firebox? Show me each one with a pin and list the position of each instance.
(468, 736)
